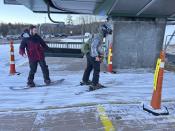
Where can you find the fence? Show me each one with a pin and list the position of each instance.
(64, 49)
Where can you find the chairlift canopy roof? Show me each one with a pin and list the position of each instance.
(129, 8)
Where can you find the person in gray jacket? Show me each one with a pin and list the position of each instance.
(94, 58)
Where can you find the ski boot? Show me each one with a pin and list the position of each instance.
(30, 83)
(96, 86)
(47, 82)
(86, 83)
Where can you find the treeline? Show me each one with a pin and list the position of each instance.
(17, 29)
(12, 29)
(70, 29)
(87, 23)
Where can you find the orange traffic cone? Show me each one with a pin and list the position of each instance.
(110, 68)
(110, 59)
(157, 93)
(12, 59)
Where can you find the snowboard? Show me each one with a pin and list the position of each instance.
(55, 82)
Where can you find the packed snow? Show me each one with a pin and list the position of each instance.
(134, 87)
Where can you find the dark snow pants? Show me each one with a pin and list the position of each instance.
(92, 64)
(33, 69)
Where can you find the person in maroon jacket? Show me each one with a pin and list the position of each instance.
(35, 46)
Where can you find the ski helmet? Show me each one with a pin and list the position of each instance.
(105, 29)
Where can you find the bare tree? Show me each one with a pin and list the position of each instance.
(89, 23)
(69, 20)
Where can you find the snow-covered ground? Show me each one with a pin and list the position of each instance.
(131, 88)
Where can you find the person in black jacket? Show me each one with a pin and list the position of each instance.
(35, 46)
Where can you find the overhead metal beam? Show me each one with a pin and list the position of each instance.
(104, 8)
(14, 2)
(173, 15)
(53, 6)
(113, 6)
(145, 7)
(171, 22)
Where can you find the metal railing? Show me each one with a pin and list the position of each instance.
(168, 41)
(64, 49)
(67, 45)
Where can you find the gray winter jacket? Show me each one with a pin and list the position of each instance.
(97, 45)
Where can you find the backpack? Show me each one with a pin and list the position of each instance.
(86, 47)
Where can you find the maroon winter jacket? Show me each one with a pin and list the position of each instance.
(35, 46)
